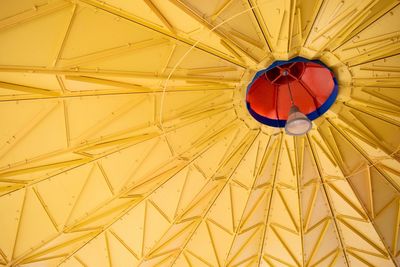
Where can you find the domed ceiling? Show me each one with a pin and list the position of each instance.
(125, 139)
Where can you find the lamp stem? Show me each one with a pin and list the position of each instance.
(290, 91)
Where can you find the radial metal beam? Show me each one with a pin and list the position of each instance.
(246, 38)
(222, 69)
(375, 54)
(224, 38)
(387, 251)
(365, 156)
(350, 11)
(130, 17)
(311, 23)
(138, 135)
(90, 93)
(60, 45)
(19, 224)
(36, 12)
(213, 135)
(39, 256)
(46, 208)
(249, 140)
(123, 243)
(365, 24)
(372, 114)
(221, 9)
(326, 223)
(383, 252)
(328, 199)
(355, 20)
(260, 22)
(271, 198)
(292, 15)
(108, 73)
(297, 143)
(256, 175)
(28, 89)
(106, 227)
(66, 63)
(23, 132)
(58, 165)
(158, 13)
(122, 137)
(216, 191)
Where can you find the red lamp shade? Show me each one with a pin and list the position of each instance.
(313, 87)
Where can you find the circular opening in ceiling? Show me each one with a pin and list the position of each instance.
(309, 83)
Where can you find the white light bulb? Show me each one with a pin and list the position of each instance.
(297, 123)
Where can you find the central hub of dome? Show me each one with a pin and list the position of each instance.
(285, 73)
(308, 84)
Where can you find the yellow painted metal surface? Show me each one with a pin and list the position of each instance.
(125, 141)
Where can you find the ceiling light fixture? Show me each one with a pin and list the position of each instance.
(297, 123)
(290, 94)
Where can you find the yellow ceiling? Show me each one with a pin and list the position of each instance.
(125, 140)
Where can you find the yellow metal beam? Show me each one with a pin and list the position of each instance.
(318, 244)
(22, 133)
(368, 22)
(372, 114)
(34, 13)
(257, 228)
(123, 243)
(115, 92)
(224, 38)
(365, 156)
(260, 251)
(288, 250)
(328, 200)
(105, 176)
(367, 252)
(310, 206)
(359, 16)
(280, 260)
(144, 198)
(292, 12)
(325, 257)
(361, 259)
(348, 201)
(38, 256)
(28, 89)
(18, 233)
(78, 259)
(246, 38)
(213, 243)
(158, 13)
(256, 175)
(130, 17)
(108, 73)
(310, 25)
(66, 63)
(43, 167)
(260, 22)
(285, 203)
(299, 144)
(221, 9)
(45, 207)
(365, 215)
(61, 44)
(396, 231)
(237, 155)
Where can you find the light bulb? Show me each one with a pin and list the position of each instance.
(297, 123)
